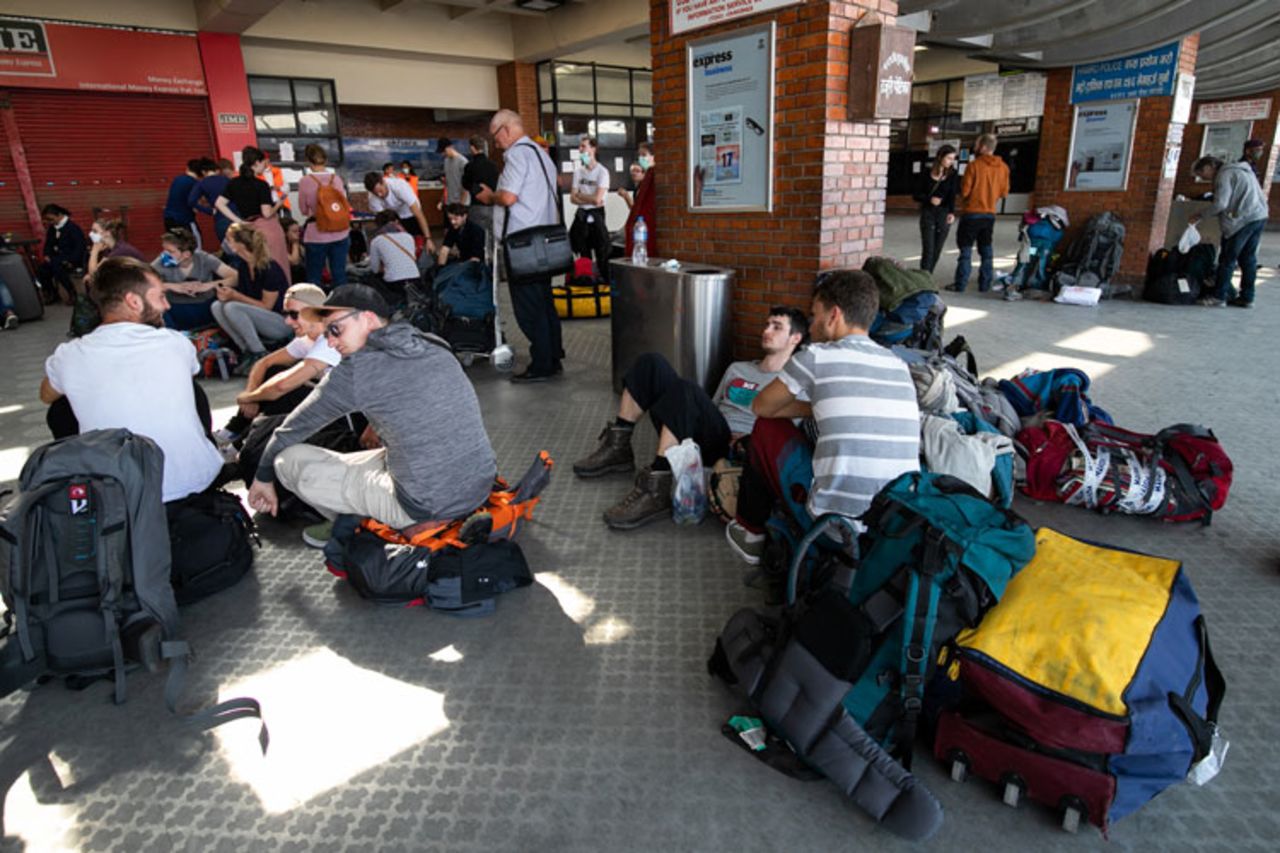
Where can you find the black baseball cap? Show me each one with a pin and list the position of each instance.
(351, 297)
(443, 143)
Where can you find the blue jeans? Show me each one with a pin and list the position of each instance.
(975, 227)
(185, 316)
(335, 254)
(1242, 248)
(6, 300)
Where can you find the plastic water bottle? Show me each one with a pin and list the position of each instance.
(640, 242)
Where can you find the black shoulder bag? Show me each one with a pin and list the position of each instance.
(537, 253)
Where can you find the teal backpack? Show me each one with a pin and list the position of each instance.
(935, 556)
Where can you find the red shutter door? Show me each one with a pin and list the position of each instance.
(90, 150)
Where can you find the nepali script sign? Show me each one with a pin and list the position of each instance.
(1142, 75)
(689, 15)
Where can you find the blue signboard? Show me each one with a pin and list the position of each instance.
(1142, 75)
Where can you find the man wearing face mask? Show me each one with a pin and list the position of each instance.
(92, 382)
(589, 235)
(645, 202)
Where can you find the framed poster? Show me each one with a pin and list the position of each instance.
(1101, 145)
(1225, 140)
(730, 79)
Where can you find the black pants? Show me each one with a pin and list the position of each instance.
(282, 405)
(537, 318)
(63, 424)
(679, 405)
(933, 235)
(52, 275)
(589, 236)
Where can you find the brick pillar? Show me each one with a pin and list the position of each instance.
(1267, 129)
(1144, 204)
(829, 175)
(518, 90)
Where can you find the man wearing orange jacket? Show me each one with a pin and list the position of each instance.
(985, 182)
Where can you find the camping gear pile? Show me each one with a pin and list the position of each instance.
(1072, 674)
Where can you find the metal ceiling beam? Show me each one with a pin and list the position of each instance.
(1002, 18)
(1261, 47)
(1087, 28)
(1257, 87)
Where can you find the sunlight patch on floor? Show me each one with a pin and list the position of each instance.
(1048, 361)
(330, 720)
(1105, 340)
(576, 604)
(958, 316)
(9, 410)
(40, 826)
(449, 654)
(11, 461)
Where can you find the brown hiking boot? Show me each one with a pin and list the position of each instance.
(613, 455)
(648, 501)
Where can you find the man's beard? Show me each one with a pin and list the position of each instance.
(151, 316)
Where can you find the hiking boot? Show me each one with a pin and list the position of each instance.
(317, 535)
(613, 455)
(476, 529)
(648, 501)
(747, 545)
(1240, 302)
(10, 321)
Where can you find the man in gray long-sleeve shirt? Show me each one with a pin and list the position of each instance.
(435, 463)
(1242, 211)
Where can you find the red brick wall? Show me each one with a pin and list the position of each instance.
(1267, 129)
(1144, 204)
(829, 174)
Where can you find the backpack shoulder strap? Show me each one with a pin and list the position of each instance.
(16, 531)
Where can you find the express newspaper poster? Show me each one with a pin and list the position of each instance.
(731, 121)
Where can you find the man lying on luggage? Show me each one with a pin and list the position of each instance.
(435, 463)
(863, 403)
(680, 409)
(282, 380)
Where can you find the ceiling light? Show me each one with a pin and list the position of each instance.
(540, 5)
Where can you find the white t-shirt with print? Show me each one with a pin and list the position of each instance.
(303, 347)
(400, 198)
(139, 377)
(589, 182)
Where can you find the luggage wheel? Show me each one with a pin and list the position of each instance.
(1014, 787)
(959, 765)
(467, 358)
(1073, 811)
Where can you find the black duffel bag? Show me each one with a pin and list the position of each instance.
(537, 253)
(211, 539)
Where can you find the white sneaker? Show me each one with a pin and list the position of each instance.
(224, 436)
(747, 545)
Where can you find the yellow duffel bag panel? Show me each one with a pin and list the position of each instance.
(1077, 620)
(573, 303)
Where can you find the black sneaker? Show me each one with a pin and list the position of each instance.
(1241, 302)
(954, 289)
(529, 376)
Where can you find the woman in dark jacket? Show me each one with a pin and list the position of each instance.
(936, 193)
(65, 252)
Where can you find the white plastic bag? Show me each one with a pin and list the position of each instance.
(689, 494)
(1076, 295)
(1189, 239)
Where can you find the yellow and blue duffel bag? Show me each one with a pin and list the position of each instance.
(1090, 687)
(582, 297)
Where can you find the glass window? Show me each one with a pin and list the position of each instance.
(312, 93)
(274, 122)
(544, 82)
(642, 87)
(928, 99)
(613, 85)
(270, 90)
(611, 133)
(573, 83)
(297, 111)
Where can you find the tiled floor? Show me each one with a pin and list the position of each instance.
(580, 716)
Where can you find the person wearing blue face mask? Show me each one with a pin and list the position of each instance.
(644, 203)
(190, 277)
(589, 235)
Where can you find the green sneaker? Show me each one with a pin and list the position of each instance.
(317, 535)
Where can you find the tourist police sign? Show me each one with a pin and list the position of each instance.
(1141, 75)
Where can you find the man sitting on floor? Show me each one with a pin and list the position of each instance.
(131, 372)
(680, 409)
(282, 380)
(863, 403)
(435, 464)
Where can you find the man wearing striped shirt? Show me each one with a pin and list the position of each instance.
(863, 403)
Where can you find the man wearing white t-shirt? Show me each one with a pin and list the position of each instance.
(397, 195)
(589, 235)
(131, 372)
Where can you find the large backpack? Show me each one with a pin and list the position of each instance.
(212, 539)
(84, 570)
(916, 322)
(1094, 256)
(1090, 687)
(333, 211)
(896, 282)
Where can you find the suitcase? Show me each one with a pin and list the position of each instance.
(26, 296)
(581, 298)
(1089, 688)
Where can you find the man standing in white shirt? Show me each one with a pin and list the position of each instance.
(526, 189)
(589, 234)
(395, 194)
(131, 372)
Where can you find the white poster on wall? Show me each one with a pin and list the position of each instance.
(1184, 90)
(689, 15)
(1225, 140)
(1101, 144)
(731, 120)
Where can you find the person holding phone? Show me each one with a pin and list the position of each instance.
(936, 193)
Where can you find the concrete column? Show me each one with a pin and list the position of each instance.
(829, 175)
(229, 106)
(1144, 203)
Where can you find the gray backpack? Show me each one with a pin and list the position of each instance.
(85, 572)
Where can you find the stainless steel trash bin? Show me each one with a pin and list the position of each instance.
(683, 314)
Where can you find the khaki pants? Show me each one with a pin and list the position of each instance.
(342, 483)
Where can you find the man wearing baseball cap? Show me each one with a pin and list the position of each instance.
(435, 462)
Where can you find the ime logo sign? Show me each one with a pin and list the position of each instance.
(24, 48)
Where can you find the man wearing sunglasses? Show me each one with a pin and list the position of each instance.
(435, 463)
